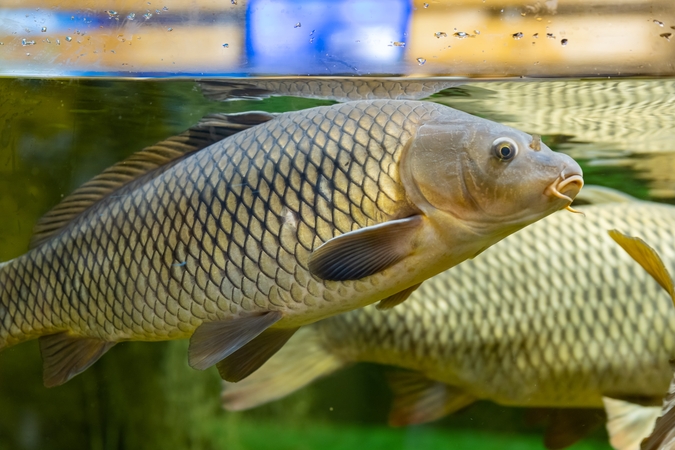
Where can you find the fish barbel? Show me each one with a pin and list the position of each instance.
(556, 316)
(237, 241)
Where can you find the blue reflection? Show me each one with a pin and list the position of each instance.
(326, 37)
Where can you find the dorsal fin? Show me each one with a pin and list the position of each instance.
(209, 130)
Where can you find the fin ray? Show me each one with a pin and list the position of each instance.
(214, 341)
(152, 160)
(397, 298)
(418, 399)
(301, 361)
(628, 423)
(366, 251)
(66, 356)
(254, 354)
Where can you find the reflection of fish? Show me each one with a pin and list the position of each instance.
(309, 214)
(556, 315)
(339, 89)
(619, 425)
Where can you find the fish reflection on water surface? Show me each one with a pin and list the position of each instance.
(556, 315)
(235, 242)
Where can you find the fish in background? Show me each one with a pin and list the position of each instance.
(554, 316)
(235, 241)
(338, 89)
(663, 435)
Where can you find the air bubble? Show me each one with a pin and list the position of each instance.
(226, 45)
(426, 5)
(461, 35)
(44, 29)
(517, 35)
(398, 44)
(421, 61)
(440, 34)
(666, 36)
(68, 38)
(131, 16)
(658, 22)
(563, 42)
(297, 25)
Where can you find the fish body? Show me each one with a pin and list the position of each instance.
(306, 215)
(556, 315)
(338, 89)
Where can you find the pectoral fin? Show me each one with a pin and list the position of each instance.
(365, 252)
(254, 354)
(214, 341)
(397, 298)
(64, 356)
(418, 399)
(647, 257)
(629, 423)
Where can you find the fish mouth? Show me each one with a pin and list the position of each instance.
(566, 188)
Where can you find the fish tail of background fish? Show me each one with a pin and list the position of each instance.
(301, 361)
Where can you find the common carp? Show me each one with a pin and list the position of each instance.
(338, 89)
(555, 316)
(237, 241)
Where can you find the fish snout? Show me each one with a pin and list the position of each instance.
(569, 183)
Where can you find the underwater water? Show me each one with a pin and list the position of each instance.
(57, 134)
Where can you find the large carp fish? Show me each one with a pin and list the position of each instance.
(555, 316)
(235, 241)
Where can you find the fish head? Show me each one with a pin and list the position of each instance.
(493, 178)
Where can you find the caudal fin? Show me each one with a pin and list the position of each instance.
(302, 360)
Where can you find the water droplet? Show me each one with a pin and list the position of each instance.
(426, 5)
(311, 40)
(658, 22)
(517, 35)
(461, 35)
(421, 61)
(2, 43)
(68, 38)
(550, 35)
(58, 42)
(169, 29)
(398, 44)
(48, 41)
(226, 45)
(131, 16)
(297, 25)
(563, 42)
(312, 33)
(440, 34)
(476, 31)
(234, 2)
(25, 42)
(147, 16)
(535, 35)
(44, 29)
(165, 9)
(111, 13)
(666, 36)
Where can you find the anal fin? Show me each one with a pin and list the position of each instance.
(397, 298)
(254, 354)
(629, 423)
(214, 341)
(418, 399)
(65, 356)
(569, 425)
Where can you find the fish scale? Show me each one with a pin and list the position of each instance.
(513, 327)
(216, 235)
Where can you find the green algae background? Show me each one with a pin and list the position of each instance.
(54, 136)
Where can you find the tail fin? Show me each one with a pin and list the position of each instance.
(302, 360)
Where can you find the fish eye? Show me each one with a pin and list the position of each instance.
(504, 148)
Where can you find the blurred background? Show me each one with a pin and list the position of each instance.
(463, 38)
